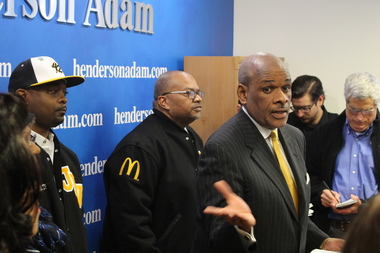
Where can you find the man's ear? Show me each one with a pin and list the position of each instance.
(22, 93)
(321, 99)
(162, 102)
(242, 92)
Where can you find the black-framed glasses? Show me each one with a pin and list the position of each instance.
(190, 93)
(303, 109)
(355, 111)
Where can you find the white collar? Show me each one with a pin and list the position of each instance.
(40, 140)
(265, 132)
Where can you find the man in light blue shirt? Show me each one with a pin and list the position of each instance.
(343, 157)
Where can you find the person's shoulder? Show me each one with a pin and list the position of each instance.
(64, 149)
(144, 130)
(292, 119)
(331, 122)
(294, 132)
(326, 129)
(148, 126)
(230, 129)
(330, 115)
(292, 129)
(147, 134)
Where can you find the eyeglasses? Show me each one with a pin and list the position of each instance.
(303, 108)
(190, 93)
(355, 111)
(31, 139)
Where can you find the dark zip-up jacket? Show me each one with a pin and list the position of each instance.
(323, 148)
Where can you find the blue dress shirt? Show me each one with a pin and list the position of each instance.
(354, 169)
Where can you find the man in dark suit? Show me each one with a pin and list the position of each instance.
(241, 153)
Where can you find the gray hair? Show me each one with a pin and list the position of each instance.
(362, 85)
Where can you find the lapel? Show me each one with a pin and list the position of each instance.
(265, 159)
(294, 155)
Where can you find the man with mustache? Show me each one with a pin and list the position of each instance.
(42, 84)
(150, 176)
(343, 157)
(262, 159)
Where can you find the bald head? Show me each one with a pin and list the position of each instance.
(257, 65)
(169, 79)
(265, 89)
(172, 97)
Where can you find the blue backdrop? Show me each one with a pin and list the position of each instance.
(120, 47)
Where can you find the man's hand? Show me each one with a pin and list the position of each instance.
(330, 198)
(333, 244)
(237, 212)
(351, 209)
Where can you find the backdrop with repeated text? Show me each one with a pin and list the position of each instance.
(120, 47)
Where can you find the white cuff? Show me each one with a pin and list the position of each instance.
(246, 238)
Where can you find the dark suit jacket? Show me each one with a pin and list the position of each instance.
(323, 148)
(238, 153)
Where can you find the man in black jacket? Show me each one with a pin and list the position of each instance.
(308, 107)
(150, 176)
(343, 156)
(42, 83)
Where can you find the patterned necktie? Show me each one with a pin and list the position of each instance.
(284, 168)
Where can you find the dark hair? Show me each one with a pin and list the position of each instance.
(364, 232)
(306, 84)
(19, 176)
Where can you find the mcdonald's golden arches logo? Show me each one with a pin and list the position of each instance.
(131, 166)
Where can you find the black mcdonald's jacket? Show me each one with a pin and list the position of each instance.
(150, 183)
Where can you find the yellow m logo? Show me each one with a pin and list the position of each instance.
(131, 165)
